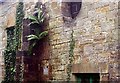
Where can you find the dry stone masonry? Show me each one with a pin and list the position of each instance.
(7, 19)
(95, 31)
(96, 40)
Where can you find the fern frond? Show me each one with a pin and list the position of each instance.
(39, 13)
(42, 34)
(32, 18)
(34, 22)
(32, 37)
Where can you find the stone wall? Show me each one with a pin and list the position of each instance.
(95, 31)
(96, 40)
(7, 19)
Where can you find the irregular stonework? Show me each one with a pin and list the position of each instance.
(28, 8)
(95, 31)
(96, 40)
(7, 19)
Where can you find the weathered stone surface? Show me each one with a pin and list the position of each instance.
(94, 31)
(95, 37)
(88, 50)
(103, 67)
(86, 68)
(7, 19)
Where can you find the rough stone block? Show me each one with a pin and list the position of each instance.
(88, 49)
(103, 67)
(103, 9)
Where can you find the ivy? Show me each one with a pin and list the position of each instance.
(13, 44)
(17, 34)
(18, 26)
(71, 53)
(9, 56)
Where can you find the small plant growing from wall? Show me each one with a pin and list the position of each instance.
(36, 20)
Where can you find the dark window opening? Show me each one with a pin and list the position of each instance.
(10, 36)
(75, 8)
(87, 77)
(70, 10)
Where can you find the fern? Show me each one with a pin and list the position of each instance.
(39, 19)
(38, 35)
(32, 18)
(43, 34)
(32, 37)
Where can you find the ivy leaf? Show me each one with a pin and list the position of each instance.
(11, 69)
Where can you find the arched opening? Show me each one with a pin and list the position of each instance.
(70, 10)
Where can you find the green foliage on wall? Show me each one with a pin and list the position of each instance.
(13, 43)
(17, 34)
(9, 56)
(18, 26)
(38, 33)
(71, 53)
